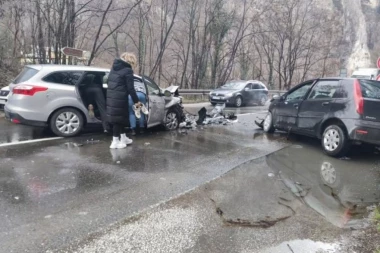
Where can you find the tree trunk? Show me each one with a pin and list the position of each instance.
(41, 40)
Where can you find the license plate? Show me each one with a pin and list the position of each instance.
(217, 98)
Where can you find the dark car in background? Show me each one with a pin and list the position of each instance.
(239, 93)
(338, 111)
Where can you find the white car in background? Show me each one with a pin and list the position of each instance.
(4, 93)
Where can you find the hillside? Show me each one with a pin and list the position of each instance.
(359, 20)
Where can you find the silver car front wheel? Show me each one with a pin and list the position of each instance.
(171, 120)
(66, 122)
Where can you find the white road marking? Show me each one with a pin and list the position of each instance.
(29, 141)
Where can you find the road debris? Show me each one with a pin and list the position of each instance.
(260, 123)
(147, 143)
(92, 141)
(189, 122)
(202, 114)
(217, 111)
(215, 117)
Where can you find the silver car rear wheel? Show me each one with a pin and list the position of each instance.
(66, 122)
(171, 120)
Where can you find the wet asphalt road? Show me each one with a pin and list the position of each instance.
(10, 132)
(218, 189)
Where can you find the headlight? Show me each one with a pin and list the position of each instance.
(229, 95)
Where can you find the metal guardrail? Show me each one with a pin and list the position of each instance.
(207, 92)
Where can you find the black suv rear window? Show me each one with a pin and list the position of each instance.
(25, 75)
(370, 89)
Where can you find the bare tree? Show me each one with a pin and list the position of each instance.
(97, 42)
(167, 24)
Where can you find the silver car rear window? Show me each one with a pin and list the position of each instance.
(25, 75)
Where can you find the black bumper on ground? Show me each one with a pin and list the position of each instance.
(17, 119)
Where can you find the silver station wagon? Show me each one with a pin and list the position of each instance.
(53, 96)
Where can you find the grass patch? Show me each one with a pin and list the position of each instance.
(377, 214)
(377, 220)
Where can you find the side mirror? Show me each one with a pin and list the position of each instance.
(167, 93)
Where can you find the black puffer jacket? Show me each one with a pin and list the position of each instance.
(120, 85)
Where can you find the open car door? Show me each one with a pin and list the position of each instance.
(156, 102)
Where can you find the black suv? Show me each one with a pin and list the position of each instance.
(338, 111)
(239, 93)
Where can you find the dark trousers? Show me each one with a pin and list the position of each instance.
(96, 94)
(118, 130)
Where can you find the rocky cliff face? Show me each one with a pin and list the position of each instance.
(360, 44)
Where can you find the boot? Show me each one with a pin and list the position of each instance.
(116, 143)
(125, 140)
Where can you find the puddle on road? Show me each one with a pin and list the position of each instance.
(12, 133)
(303, 246)
(340, 190)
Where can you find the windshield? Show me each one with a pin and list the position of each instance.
(234, 85)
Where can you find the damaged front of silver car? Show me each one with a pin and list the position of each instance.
(174, 110)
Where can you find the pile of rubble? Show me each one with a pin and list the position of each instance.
(215, 117)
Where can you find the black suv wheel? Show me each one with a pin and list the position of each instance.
(335, 141)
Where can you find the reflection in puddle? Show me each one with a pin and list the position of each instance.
(339, 190)
(303, 246)
(52, 171)
(12, 133)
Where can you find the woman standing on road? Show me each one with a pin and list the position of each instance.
(120, 87)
